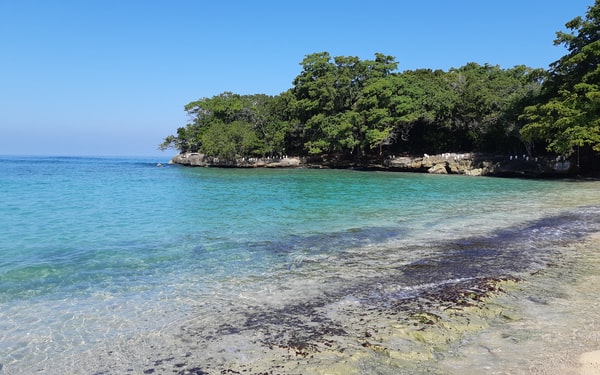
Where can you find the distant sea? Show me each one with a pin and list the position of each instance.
(122, 265)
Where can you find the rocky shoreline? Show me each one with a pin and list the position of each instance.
(302, 339)
(544, 324)
(470, 164)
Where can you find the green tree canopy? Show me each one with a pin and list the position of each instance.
(567, 115)
(360, 109)
(230, 125)
(343, 105)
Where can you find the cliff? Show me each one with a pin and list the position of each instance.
(471, 164)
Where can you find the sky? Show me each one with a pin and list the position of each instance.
(111, 77)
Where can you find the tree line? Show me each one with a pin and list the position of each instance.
(360, 109)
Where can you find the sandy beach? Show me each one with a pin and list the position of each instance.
(590, 363)
(546, 323)
(553, 325)
(585, 313)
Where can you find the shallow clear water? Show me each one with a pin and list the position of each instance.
(111, 264)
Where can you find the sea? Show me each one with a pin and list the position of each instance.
(114, 265)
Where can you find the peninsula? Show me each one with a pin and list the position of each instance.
(346, 112)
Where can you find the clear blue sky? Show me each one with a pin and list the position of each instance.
(111, 77)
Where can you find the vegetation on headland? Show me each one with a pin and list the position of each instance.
(353, 109)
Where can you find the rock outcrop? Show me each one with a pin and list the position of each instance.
(473, 164)
(470, 164)
(194, 159)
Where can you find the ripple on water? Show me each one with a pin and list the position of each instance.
(140, 269)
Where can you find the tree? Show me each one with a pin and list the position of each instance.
(567, 116)
(379, 111)
(230, 125)
(424, 100)
(468, 108)
(229, 141)
(483, 94)
(331, 104)
(354, 109)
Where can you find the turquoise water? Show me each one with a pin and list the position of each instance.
(112, 264)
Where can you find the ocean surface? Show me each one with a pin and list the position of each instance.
(120, 265)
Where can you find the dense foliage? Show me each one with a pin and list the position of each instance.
(566, 114)
(355, 109)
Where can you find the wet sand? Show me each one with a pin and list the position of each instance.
(590, 363)
(554, 325)
(547, 322)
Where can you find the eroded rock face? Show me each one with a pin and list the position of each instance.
(195, 159)
(469, 164)
(190, 158)
(440, 168)
(449, 163)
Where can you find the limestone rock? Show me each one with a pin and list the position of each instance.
(195, 159)
(441, 168)
(469, 164)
